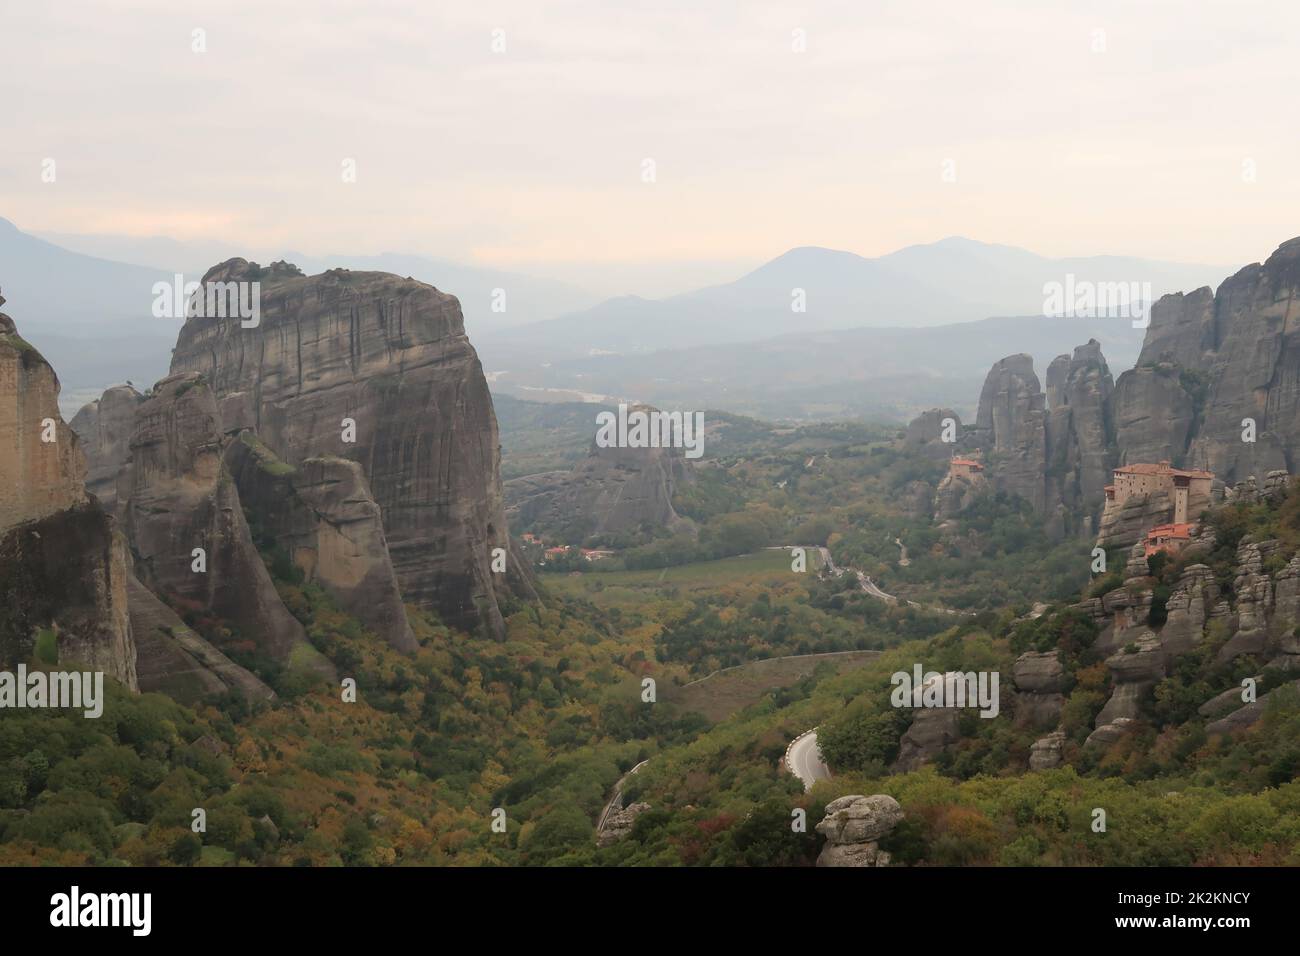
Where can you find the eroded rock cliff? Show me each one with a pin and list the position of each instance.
(63, 566)
(1054, 448)
(42, 471)
(1012, 426)
(389, 356)
(1211, 360)
(323, 516)
(178, 498)
(104, 427)
(611, 490)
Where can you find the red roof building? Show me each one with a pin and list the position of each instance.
(1170, 538)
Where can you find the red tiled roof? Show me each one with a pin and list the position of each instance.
(1180, 530)
(1160, 468)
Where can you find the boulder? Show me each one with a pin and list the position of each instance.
(1039, 672)
(859, 819)
(1047, 752)
(931, 731)
(1109, 733)
(853, 825)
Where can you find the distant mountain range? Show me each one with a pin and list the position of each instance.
(527, 298)
(955, 280)
(91, 316)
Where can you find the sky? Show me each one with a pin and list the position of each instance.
(520, 134)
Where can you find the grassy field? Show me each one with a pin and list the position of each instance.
(725, 692)
(702, 576)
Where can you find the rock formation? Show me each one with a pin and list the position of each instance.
(63, 568)
(1012, 427)
(1245, 715)
(1047, 752)
(1213, 364)
(177, 497)
(1126, 523)
(1189, 606)
(42, 471)
(931, 731)
(391, 356)
(1212, 359)
(1053, 449)
(1078, 429)
(323, 516)
(1134, 670)
(610, 491)
(66, 574)
(853, 827)
(1040, 681)
(925, 434)
(174, 660)
(1261, 623)
(104, 427)
(960, 487)
(1152, 413)
(619, 824)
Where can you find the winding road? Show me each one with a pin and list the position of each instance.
(804, 759)
(870, 586)
(616, 797)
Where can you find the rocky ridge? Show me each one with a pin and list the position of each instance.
(63, 566)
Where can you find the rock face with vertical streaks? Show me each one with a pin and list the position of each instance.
(323, 516)
(1011, 422)
(1051, 448)
(41, 469)
(104, 427)
(391, 356)
(611, 490)
(178, 496)
(1078, 429)
(1211, 360)
(63, 566)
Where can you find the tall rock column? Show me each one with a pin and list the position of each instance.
(1012, 425)
(376, 369)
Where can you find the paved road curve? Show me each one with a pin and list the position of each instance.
(616, 797)
(804, 760)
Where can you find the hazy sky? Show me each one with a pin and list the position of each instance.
(532, 158)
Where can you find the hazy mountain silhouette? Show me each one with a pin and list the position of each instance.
(91, 318)
(955, 280)
(527, 298)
